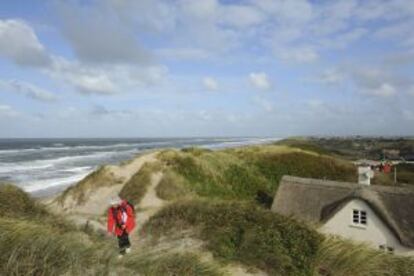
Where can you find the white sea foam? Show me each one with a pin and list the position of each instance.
(50, 163)
(74, 148)
(38, 185)
(69, 169)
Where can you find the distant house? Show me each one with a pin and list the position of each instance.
(381, 216)
(391, 154)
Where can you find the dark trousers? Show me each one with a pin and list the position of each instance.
(123, 242)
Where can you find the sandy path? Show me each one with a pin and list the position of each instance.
(150, 203)
(125, 172)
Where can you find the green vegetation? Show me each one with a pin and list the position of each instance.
(35, 242)
(135, 189)
(16, 203)
(242, 173)
(187, 264)
(352, 148)
(236, 231)
(405, 175)
(213, 197)
(172, 186)
(341, 258)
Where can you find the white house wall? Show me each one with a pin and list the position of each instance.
(375, 232)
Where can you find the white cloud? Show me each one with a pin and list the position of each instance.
(19, 43)
(7, 111)
(299, 54)
(384, 90)
(260, 80)
(330, 77)
(28, 90)
(107, 79)
(210, 83)
(183, 53)
(98, 35)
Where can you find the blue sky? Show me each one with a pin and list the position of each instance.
(126, 68)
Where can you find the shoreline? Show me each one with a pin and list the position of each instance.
(54, 191)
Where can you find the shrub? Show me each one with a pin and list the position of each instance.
(242, 232)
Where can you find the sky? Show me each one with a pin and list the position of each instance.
(144, 68)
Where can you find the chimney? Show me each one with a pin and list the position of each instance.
(364, 175)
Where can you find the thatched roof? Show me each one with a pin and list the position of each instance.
(316, 201)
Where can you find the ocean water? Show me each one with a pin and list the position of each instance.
(41, 165)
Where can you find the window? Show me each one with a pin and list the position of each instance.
(359, 217)
(386, 248)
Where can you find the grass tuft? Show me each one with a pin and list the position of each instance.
(188, 264)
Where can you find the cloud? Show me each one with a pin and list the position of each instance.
(7, 111)
(408, 114)
(264, 103)
(183, 53)
(330, 77)
(299, 54)
(19, 43)
(260, 80)
(99, 36)
(384, 90)
(210, 83)
(29, 90)
(107, 79)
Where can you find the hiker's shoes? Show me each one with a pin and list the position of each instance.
(128, 250)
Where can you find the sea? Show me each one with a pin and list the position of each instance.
(47, 166)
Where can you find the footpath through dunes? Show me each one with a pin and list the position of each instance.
(87, 201)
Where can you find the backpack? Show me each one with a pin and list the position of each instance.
(115, 212)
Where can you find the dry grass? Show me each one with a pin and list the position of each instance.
(99, 178)
(342, 258)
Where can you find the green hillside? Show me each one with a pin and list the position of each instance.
(220, 198)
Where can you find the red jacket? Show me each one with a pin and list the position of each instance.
(121, 218)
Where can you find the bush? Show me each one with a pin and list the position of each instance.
(242, 232)
(15, 202)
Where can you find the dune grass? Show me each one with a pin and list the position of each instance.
(184, 263)
(242, 232)
(135, 189)
(98, 178)
(244, 173)
(33, 248)
(172, 186)
(342, 258)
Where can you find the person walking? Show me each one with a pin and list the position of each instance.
(121, 222)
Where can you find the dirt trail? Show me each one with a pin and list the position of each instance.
(150, 203)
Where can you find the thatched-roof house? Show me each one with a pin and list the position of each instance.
(380, 215)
